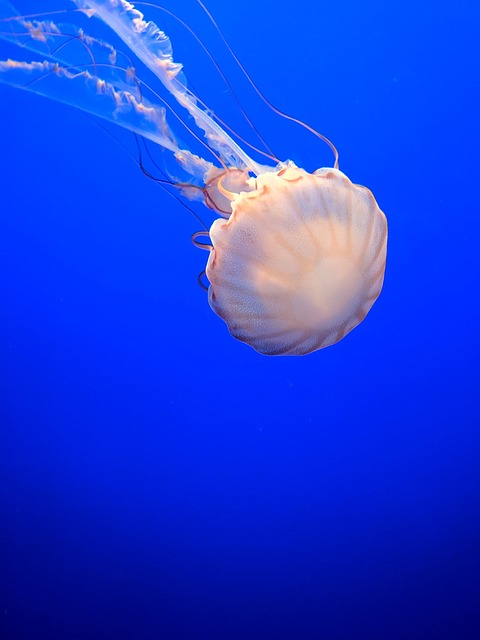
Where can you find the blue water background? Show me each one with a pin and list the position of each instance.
(162, 481)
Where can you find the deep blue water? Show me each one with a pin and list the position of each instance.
(161, 481)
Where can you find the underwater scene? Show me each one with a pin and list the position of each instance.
(239, 308)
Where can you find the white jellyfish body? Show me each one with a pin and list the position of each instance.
(300, 261)
(297, 260)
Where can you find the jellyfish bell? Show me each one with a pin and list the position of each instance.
(297, 259)
(300, 261)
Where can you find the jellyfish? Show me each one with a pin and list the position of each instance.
(296, 259)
